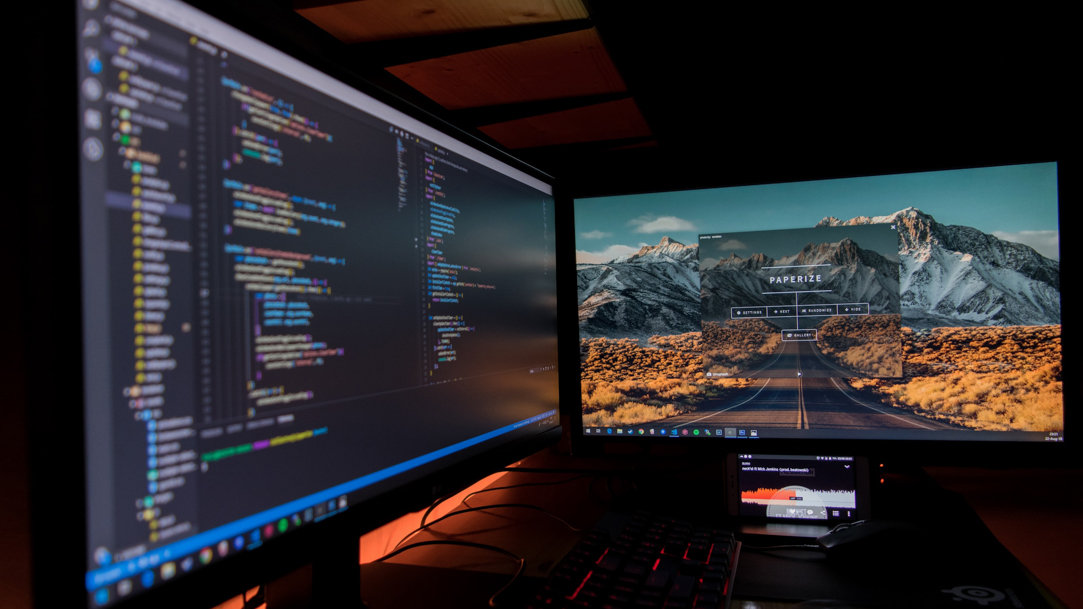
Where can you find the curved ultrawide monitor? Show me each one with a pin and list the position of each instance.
(295, 297)
(891, 310)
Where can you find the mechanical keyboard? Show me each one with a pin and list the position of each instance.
(640, 560)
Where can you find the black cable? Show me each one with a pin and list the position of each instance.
(608, 474)
(257, 599)
(481, 508)
(521, 485)
(783, 546)
(436, 502)
(470, 544)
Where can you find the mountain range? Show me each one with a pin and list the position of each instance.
(959, 276)
(853, 275)
(948, 276)
(653, 291)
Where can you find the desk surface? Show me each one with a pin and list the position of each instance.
(547, 498)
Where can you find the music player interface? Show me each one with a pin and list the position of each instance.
(812, 487)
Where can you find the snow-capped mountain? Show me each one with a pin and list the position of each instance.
(667, 250)
(653, 291)
(946, 276)
(853, 275)
(960, 276)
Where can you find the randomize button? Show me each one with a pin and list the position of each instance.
(818, 310)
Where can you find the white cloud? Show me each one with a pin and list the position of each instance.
(1046, 242)
(595, 234)
(609, 253)
(732, 244)
(661, 224)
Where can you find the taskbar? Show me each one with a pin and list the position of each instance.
(752, 432)
(673, 432)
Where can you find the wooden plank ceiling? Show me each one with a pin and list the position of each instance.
(526, 73)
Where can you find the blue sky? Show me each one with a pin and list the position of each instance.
(1015, 202)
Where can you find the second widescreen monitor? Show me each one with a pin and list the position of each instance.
(921, 306)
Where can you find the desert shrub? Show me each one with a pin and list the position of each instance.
(630, 413)
(603, 398)
(979, 377)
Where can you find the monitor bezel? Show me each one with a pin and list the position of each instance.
(55, 477)
(978, 453)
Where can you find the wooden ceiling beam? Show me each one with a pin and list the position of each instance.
(398, 51)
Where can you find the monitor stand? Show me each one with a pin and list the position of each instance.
(333, 579)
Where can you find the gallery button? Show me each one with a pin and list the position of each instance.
(794, 335)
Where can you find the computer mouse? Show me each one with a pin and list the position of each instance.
(871, 538)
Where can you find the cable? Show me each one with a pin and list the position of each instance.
(257, 598)
(521, 485)
(440, 500)
(436, 502)
(481, 508)
(784, 546)
(607, 474)
(470, 544)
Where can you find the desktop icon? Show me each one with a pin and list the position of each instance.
(91, 28)
(92, 89)
(93, 149)
(92, 119)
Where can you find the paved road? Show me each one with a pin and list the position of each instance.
(800, 357)
(802, 390)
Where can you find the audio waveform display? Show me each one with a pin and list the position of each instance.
(794, 496)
